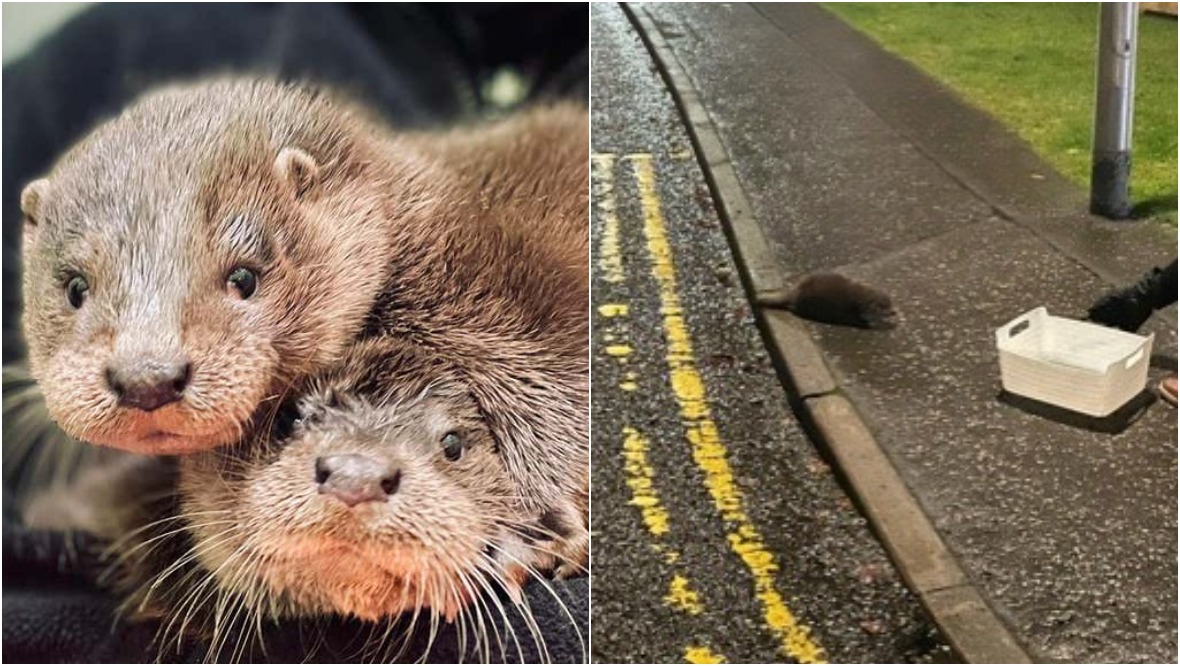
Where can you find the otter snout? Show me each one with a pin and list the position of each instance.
(353, 478)
(148, 383)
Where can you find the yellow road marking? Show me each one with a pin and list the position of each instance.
(640, 474)
(702, 655)
(681, 595)
(619, 350)
(709, 452)
(640, 478)
(610, 259)
(613, 310)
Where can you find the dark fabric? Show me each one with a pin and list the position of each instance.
(422, 65)
(1165, 292)
(1128, 308)
(53, 612)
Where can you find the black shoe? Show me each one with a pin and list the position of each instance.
(1128, 308)
(1125, 308)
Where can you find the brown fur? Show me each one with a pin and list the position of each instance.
(469, 249)
(473, 246)
(157, 206)
(831, 298)
(514, 314)
(249, 531)
(257, 524)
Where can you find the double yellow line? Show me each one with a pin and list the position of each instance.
(616, 337)
(708, 450)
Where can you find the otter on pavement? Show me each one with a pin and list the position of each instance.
(832, 298)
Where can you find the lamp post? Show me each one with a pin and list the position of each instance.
(1110, 173)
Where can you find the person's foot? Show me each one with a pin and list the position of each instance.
(1167, 389)
(1128, 308)
(1125, 308)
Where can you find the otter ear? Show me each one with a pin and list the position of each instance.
(31, 198)
(298, 169)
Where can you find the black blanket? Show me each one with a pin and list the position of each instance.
(53, 612)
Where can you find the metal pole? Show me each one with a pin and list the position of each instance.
(1118, 33)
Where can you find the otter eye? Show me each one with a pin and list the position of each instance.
(244, 280)
(76, 290)
(452, 446)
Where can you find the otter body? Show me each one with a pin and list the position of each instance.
(831, 298)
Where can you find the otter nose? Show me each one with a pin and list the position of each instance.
(149, 384)
(355, 478)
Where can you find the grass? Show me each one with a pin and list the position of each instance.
(1032, 67)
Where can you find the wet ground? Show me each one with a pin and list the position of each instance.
(854, 161)
(719, 532)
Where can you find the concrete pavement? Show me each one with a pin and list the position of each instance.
(849, 159)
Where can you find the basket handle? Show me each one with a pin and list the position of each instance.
(1016, 327)
(1019, 325)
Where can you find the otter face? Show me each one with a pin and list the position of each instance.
(363, 510)
(183, 265)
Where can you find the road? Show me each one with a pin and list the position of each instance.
(720, 534)
(850, 159)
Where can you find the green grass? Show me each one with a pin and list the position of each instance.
(1032, 67)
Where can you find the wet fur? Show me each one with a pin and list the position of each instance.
(831, 298)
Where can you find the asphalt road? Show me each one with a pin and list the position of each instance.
(854, 161)
(719, 532)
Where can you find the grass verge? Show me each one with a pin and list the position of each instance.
(1032, 66)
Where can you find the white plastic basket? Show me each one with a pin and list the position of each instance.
(1077, 365)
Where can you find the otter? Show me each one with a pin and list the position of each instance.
(469, 247)
(380, 490)
(832, 298)
(194, 259)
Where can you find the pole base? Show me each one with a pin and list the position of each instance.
(1110, 185)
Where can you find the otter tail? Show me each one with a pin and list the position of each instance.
(779, 299)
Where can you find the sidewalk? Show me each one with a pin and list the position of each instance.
(849, 159)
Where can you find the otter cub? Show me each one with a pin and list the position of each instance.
(191, 258)
(381, 490)
(217, 243)
(831, 298)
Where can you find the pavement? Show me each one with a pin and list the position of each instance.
(824, 152)
(719, 531)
